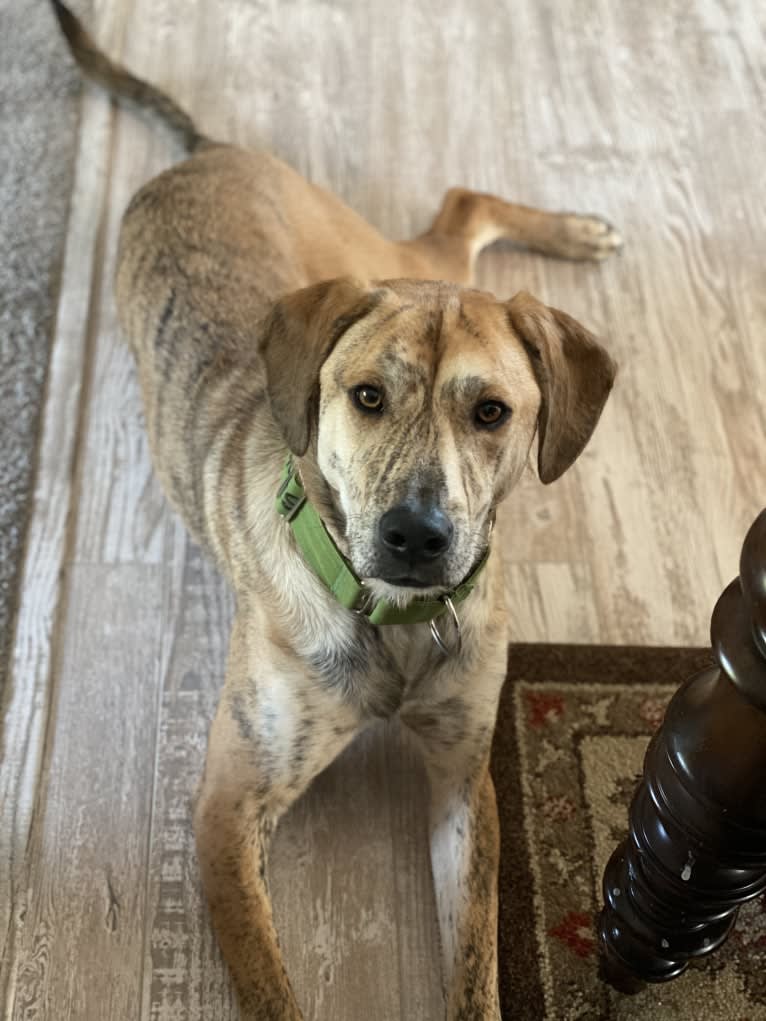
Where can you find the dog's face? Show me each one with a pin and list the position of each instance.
(423, 400)
(427, 411)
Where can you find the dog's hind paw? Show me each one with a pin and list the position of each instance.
(586, 237)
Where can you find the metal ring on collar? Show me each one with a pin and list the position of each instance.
(436, 634)
(365, 603)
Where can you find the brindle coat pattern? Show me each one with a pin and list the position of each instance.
(253, 302)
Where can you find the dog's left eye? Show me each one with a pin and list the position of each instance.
(367, 398)
(491, 414)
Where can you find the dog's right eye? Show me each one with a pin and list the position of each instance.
(367, 398)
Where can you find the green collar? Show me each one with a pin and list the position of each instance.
(332, 568)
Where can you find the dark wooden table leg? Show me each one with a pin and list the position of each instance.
(697, 844)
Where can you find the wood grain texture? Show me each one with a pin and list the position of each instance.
(78, 953)
(28, 697)
(652, 115)
(183, 973)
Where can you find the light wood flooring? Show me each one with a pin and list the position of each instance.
(650, 113)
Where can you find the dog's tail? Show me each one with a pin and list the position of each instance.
(121, 83)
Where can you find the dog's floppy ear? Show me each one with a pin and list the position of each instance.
(298, 335)
(574, 373)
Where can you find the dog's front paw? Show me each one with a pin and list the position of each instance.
(586, 237)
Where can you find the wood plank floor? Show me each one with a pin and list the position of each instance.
(651, 114)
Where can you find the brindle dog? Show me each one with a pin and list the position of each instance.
(266, 317)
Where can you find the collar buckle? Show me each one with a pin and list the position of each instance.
(292, 505)
(291, 496)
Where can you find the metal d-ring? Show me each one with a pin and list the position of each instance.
(436, 635)
(364, 605)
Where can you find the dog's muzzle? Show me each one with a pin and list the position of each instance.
(412, 541)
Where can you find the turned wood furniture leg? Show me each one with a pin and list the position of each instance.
(697, 844)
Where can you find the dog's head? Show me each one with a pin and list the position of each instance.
(420, 402)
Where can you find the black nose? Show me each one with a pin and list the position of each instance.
(415, 534)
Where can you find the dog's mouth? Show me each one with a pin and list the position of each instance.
(407, 575)
(408, 582)
(402, 590)
(418, 577)
(414, 582)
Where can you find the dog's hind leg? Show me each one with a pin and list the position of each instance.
(469, 221)
(272, 734)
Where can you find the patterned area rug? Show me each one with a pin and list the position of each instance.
(573, 727)
(39, 104)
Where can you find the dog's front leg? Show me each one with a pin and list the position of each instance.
(465, 852)
(232, 843)
(272, 734)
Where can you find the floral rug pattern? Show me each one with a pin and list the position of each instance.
(579, 739)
